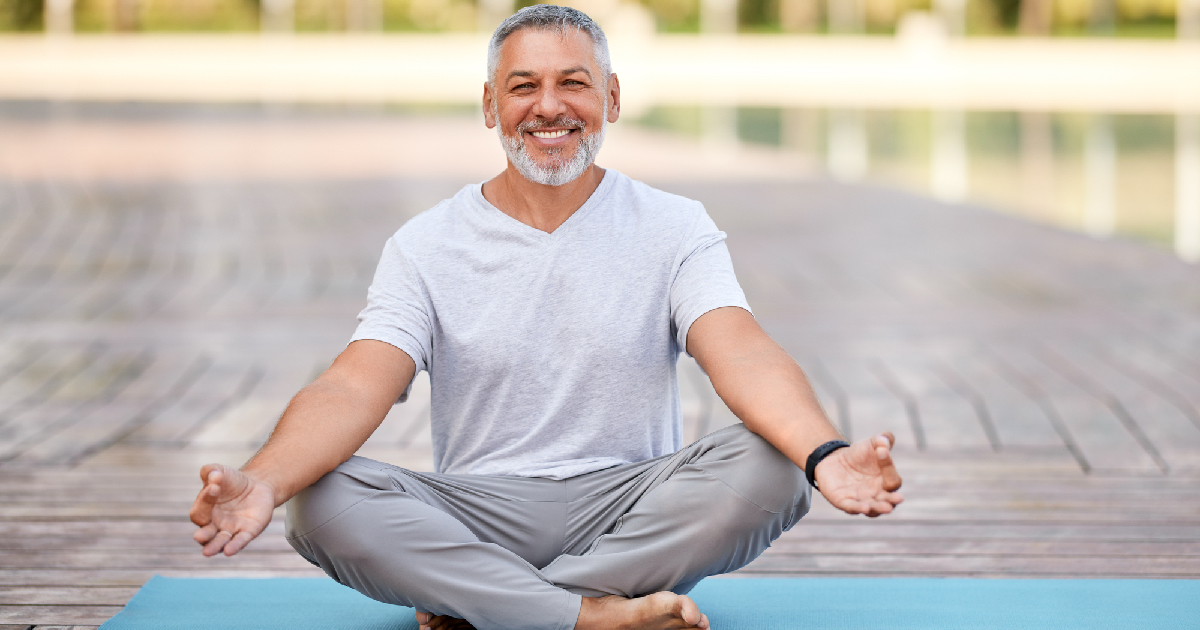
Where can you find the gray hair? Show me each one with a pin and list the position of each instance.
(552, 18)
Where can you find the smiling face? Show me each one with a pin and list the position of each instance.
(549, 102)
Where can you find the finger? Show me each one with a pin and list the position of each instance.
(238, 542)
(423, 617)
(201, 512)
(887, 467)
(212, 474)
(703, 620)
(881, 507)
(891, 438)
(215, 545)
(215, 478)
(851, 506)
(205, 470)
(205, 534)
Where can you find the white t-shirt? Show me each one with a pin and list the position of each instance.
(551, 355)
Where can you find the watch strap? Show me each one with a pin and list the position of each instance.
(818, 454)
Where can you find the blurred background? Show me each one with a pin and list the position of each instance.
(1077, 113)
(1119, 18)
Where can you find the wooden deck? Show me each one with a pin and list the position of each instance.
(1045, 386)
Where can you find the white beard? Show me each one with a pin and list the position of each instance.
(560, 171)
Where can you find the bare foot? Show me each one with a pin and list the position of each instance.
(442, 622)
(659, 611)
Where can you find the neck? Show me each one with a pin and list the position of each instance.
(536, 205)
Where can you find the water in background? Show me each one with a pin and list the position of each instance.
(1098, 173)
(1125, 175)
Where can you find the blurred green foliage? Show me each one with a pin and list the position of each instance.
(1006, 12)
(21, 15)
(1135, 18)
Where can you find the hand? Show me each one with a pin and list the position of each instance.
(231, 509)
(861, 479)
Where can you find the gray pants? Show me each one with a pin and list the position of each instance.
(511, 552)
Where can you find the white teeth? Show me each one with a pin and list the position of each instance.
(551, 134)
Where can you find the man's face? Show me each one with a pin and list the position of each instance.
(550, 103)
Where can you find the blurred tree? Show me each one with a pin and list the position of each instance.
(21, 15)
(1007, 12)
(880, 15)
(676, 15)
(758, 15)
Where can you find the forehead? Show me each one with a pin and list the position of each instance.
(546, 50)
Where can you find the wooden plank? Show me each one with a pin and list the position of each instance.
(133, 456)
(58, 615)
(1043, 565)
(51, 576)
(55, 595)
(862, 529)
(871, 408)
(102, 380)
(222, 384)
(1016, 418)
(131, 544)
(250, 558)
(46, 374)
(1001, 547)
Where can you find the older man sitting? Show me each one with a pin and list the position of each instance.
(549, 306)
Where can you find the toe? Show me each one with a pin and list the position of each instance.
(689, 611)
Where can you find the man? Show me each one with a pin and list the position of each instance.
(549, 306)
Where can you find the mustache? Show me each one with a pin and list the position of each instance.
(561, 121)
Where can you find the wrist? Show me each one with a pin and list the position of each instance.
(817, 456)
(263, 479)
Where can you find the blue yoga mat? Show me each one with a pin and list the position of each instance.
(731, 604)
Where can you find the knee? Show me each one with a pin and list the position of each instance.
(760, 473)
(332, 494)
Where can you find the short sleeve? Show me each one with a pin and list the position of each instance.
(398, 309)
(703, 279)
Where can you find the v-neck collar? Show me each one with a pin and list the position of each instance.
(503, 219)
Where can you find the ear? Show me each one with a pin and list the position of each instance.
(489, 117)
(614, 98)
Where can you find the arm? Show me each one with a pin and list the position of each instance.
(764, 387)
(322, 427)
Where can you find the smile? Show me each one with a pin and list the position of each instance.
(547, 135)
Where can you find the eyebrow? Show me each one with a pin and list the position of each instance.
(568, 71)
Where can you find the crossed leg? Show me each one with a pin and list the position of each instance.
(628, 555)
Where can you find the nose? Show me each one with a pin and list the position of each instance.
(549, 105)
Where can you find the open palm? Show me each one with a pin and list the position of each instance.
(861, 479)
(231, 509)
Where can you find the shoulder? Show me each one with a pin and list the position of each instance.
(436, 225)
(668, 210)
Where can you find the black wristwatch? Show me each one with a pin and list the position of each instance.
(818, 454)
